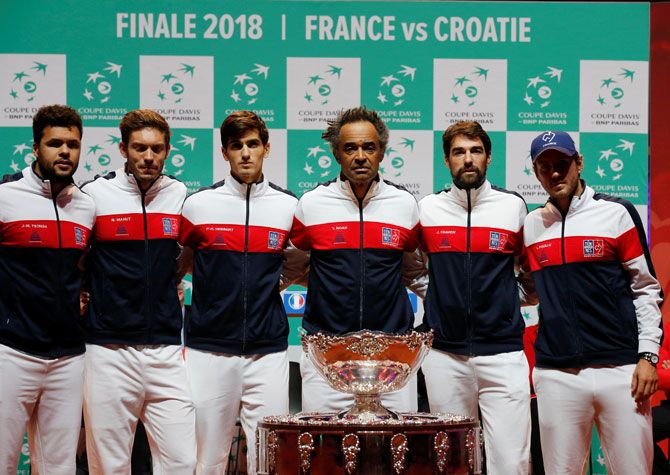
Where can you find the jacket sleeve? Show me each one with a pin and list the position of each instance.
(186, 227)
(296, 267)
(299, 233)
(647, 294)
(526, 285)
(414, 261)
(524, 278)
(415, 272)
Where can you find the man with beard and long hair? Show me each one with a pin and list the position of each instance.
(45, 224)
(472, 233)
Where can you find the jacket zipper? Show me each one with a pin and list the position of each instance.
(143, 195)
(361, 289)
(245, 272)
(468, 263)
(575, 334)
(60, 252)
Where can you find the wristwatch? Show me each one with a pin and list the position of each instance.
(649, 356)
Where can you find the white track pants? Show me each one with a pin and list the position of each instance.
(571, 400)
(225, 386)
(318, 396)
(44, 396)
(125, 383)
(498, 386)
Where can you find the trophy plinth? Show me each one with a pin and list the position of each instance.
(368, 438)
(367, 364)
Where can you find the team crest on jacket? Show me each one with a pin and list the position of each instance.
(273, 240)
(497, 240)
(79, 236)
(390, 236)
(593, 248)
(170, 227)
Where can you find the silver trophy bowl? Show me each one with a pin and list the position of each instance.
(367, 364)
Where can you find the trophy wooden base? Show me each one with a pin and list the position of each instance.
(413, 444)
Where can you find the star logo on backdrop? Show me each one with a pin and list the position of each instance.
(173, 84)
(99, 84)
(319, 86)
(541, 87)
(187, 69)
(467, 86)
(393, 87)
(612, 160)
(26, 82)
(613, 88)
(22, 156)
(528, 164)
(395, 157)
(98, 158)
(175, 164)
(318, 162)
(20, 148)
(113, 139)
(247, 85)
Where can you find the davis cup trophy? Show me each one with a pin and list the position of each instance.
(368, 439)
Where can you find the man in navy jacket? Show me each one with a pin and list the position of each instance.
(599, 332)
(472, 233)
(237, 331)
(45, 224)
(361, 231)
(134, 364)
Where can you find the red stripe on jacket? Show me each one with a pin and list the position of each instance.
(130, 226)
(347, 235)
(231, 237)
(483, 240)
(44, 234)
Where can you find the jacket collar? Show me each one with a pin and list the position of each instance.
(238, 188)
(461, 195)
(127, 181)
(376, 187)
(577, 203)
(38, 182)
